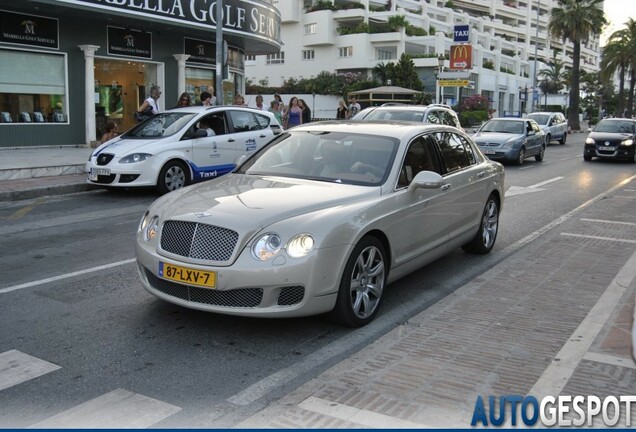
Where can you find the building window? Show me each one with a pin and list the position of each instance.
(33, 87)
(310, 29)
(386, 53)
(345, 52)
(308, 54)
(278, 58)
(250, 58)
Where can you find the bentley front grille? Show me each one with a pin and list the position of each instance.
(198, 241)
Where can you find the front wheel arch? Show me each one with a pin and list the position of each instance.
(162, 186)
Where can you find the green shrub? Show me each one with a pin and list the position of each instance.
(472, 118)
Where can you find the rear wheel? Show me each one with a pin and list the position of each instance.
(484, 240)
(174, 175)
(362, 284)
(562, 140)
(548, 138)
(539, 157)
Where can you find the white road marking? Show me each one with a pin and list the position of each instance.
(66, 276)
(608, 221)
(355, 415)
(117, 409)
(624, 197)
(610, 359)
(17, 367)
(262, 387)
(546, 182)
(598, 238)
(556, 376)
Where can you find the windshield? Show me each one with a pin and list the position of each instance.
(615, 126)
(161, 125)
(542, 119)
(380, 114)
(504, 126)
(326, 156)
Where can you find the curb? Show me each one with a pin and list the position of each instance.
(46, 191)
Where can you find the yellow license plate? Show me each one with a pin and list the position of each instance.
(187, 275)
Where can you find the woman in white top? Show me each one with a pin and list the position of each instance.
(151, 102)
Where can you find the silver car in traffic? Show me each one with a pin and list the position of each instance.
(321, 220)
(511, 139)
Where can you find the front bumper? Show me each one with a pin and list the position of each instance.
(499, 153)
(618, 152)
(282, 287)
(121, 175)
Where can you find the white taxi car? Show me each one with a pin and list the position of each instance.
(181, 146)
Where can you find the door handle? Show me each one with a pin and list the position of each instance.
(231, 140)
(481, 174)
(446, 186)
(262, 135)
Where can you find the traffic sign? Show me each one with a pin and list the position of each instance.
(454, 75)
(461, 57)
(461, 33)
(453, 83)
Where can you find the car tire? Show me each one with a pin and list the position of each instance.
(548, 138)
(539, 157)
(362, 284)
(587, 157)
(174, 175)
(486, 235)
(562, 140)
(521, 156)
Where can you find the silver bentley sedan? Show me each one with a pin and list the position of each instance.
(321, 220)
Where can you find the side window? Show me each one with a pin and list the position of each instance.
(263, 121)
(420, 156)
(217, 123)
(535, 127)
(244, 121)
(455, 152)
(449, 119)
(432, 117)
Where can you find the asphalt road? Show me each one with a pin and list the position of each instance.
(70, 296)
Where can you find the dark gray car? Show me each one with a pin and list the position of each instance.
(612, 139)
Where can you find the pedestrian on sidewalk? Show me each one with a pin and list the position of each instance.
(150, 106)
(110, 132)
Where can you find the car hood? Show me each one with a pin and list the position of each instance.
(122, 146)
(495, 137)
(600, 136)
(247, 202)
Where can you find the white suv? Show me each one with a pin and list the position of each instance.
(181, 146)
(553, 124)
(434, 113)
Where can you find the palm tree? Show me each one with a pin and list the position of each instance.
(554, 78)
(616, 59)
(576, 20)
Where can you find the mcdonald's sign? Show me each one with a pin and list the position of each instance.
(461, 56)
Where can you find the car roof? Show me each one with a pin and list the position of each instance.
(200, 109)
(375, 127)
(545, 112)
(510, 119)
(618, 119)
(409, 107)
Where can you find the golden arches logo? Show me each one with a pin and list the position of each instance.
(461, 57)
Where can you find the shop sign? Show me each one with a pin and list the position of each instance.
(199, 51)
(239, 16)
(461, 57)
(129, 42)
(30, 30)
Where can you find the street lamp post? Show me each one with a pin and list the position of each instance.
(440, 69)
(535, 91)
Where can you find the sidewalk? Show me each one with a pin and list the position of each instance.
(552, 319)
(27, 173)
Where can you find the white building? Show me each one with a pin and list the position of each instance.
(502, 34)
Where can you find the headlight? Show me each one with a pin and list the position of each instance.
(143, 223)
(628, 142)
(300, 245)
(590, 141)
(135, 157)
(152, 228)
(266, 247)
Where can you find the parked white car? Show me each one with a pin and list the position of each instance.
(181, 146)
(320, 220)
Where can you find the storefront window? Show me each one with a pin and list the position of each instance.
(33, 87)
(121, 86)
(198, 80)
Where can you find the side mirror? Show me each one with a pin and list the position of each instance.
(240, 160)
(426, 180)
